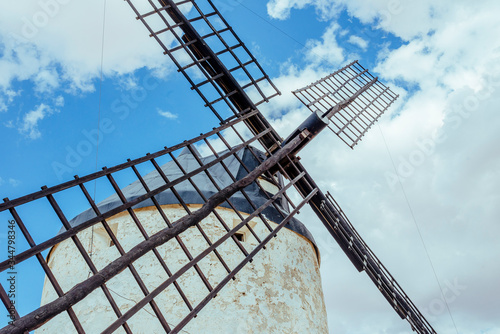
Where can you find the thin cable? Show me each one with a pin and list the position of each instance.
(271, 24)
(98, 122)
(100, 95)
(418, 229)
(281, 30)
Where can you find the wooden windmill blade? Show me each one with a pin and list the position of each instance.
(353, 119)
(228, 79)
(214, 60)
(239, 219)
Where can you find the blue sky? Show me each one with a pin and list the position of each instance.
(440, 138)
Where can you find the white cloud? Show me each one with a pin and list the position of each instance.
(327, 50)
(459, 54)
(128, 82)
(6, 98)
(14, 182)
(280, 9)
(40, 50)
(9, 124)
(291, 78)
(358, 41)
(389, 15)
(46, 80)
(59, 101)
(167, 114)
(31, 119)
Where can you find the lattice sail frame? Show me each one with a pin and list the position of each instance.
(353, 121)
(53, 209)
(204, 72)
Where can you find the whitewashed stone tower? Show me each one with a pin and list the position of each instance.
(278, 292)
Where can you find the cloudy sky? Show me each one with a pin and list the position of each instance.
(421, 188)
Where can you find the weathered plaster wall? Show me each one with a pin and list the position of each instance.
(278, 292)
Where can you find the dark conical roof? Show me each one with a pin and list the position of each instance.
(189, 194)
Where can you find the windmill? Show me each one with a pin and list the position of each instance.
(187, 215)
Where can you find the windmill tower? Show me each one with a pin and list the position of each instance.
(277, 293)
(207, 243)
